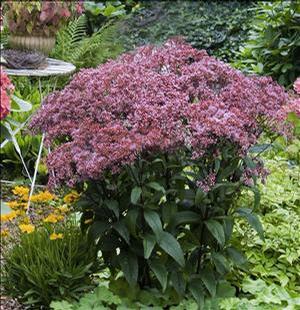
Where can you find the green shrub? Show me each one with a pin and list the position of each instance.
(276, 260)
(120, 296)
(274, 42)
(262, 297)
(99, 12)
(217, 26)
(38, 270)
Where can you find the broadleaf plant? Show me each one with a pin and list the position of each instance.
(158, 143)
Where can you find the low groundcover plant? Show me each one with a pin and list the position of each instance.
(162, 141)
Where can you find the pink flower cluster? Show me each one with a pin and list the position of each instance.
(207, 183)
(154, 99)
(6, 90)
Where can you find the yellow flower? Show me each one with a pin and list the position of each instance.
(26, 220)
(55, 236)
(53, 218)
(43, 197)
(71, 197)
(4, 233)
(63, 209)
(13, 204)
(21, 191)
(88, 221)
(27, 228)
(24, 205)
(20, 212)
(8, 217)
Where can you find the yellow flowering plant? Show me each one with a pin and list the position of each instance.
(58, 260)
(48, 210)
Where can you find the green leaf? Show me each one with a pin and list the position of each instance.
(253, 220)
(160, 272)
(237, 257)
(24, 106)
(228, 227)
(129, 264)
(256, 192)
(61, 305)
(208, 278)
(260, 67)
(121, 228)
(97, 229)
(178, 282)
(216, 229)
(171, 246)
(220, 262)
(156, 186)
(130, 219)
(184, 217)
(259, 148)
(153, 220)
(149, 242)
(224, 289)
(113, 205)
(135, 194)
(200, 195)
(196, 288)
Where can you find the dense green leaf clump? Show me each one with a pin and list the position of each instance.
(38, 270)
(217, 26)
(277, 258)
(273, 47)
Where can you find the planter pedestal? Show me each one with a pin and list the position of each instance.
(41, 44)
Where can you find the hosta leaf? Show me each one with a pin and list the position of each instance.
(135, 195)
(149, 242)
(129, 264)
(171, 246)
(160, 272)
(216, 229)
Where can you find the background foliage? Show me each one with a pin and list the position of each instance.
(276, 259)
(217, 26)
(273, 47)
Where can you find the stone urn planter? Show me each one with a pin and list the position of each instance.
(35, 43)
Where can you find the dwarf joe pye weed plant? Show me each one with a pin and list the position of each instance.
(162, 141)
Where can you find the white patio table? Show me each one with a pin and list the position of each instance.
(54, 68)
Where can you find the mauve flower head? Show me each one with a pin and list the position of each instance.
(297, 86)
(155, 99)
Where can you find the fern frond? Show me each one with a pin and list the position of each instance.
(68, 38)
(75, 46)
